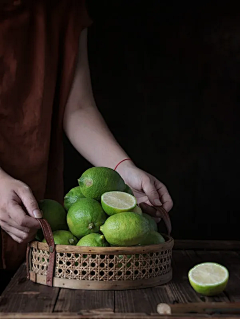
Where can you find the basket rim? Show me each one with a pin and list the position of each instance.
(107, 250)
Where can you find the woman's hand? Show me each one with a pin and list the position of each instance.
(18, 209)
(147, 189)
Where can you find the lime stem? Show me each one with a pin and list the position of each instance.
(90, 226)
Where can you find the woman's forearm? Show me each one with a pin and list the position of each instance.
(83, 123)
(89, 134)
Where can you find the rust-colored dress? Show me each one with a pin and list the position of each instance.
(38, 50)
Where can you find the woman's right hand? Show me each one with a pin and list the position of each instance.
(18, 209)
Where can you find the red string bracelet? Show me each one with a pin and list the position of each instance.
(125, 159)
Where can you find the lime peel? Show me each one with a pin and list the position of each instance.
(208, 278)
(116, 202)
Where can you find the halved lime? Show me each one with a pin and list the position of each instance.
(208, 278)
(117, 202)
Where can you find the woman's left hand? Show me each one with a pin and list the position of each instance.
(147, 189)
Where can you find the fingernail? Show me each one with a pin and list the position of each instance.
(157, 202)
(37, 213)
(158, 214)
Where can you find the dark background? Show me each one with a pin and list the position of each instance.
(166, 78)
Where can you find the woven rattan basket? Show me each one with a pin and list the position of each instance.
(100, 268)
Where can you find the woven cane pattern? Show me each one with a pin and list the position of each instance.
(103, 267)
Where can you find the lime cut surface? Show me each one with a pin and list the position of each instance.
(208, 278)
(117, 202)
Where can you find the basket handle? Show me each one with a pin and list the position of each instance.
(52, 256)
(165, 216)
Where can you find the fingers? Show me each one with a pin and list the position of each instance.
(18, 207)
(151, 191)
(7, 219)
(157, 193)
(18, 235)
(19, 216)
(29, 201)
(164, 195)
(18, 240)
(167, 202)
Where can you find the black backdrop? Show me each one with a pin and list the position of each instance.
(166, 78)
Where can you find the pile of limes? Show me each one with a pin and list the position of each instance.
(101, 211)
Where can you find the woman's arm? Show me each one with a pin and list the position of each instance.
(83, 123)
(90, 135)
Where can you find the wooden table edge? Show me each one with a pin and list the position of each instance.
(206, 245)
(107, 316)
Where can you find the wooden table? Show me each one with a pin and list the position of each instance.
(24, 299)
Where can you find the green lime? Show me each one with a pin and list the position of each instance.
(93, 240)
(137, 210)
(63, 237)
(208, 279)
(125, 229)
(117, 202)
(128, 190)
(98, 180)
(152, 238)
(152, 223)
(85, 217)
(55, 215)
(72, 196)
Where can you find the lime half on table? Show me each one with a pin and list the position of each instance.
(208, 279)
